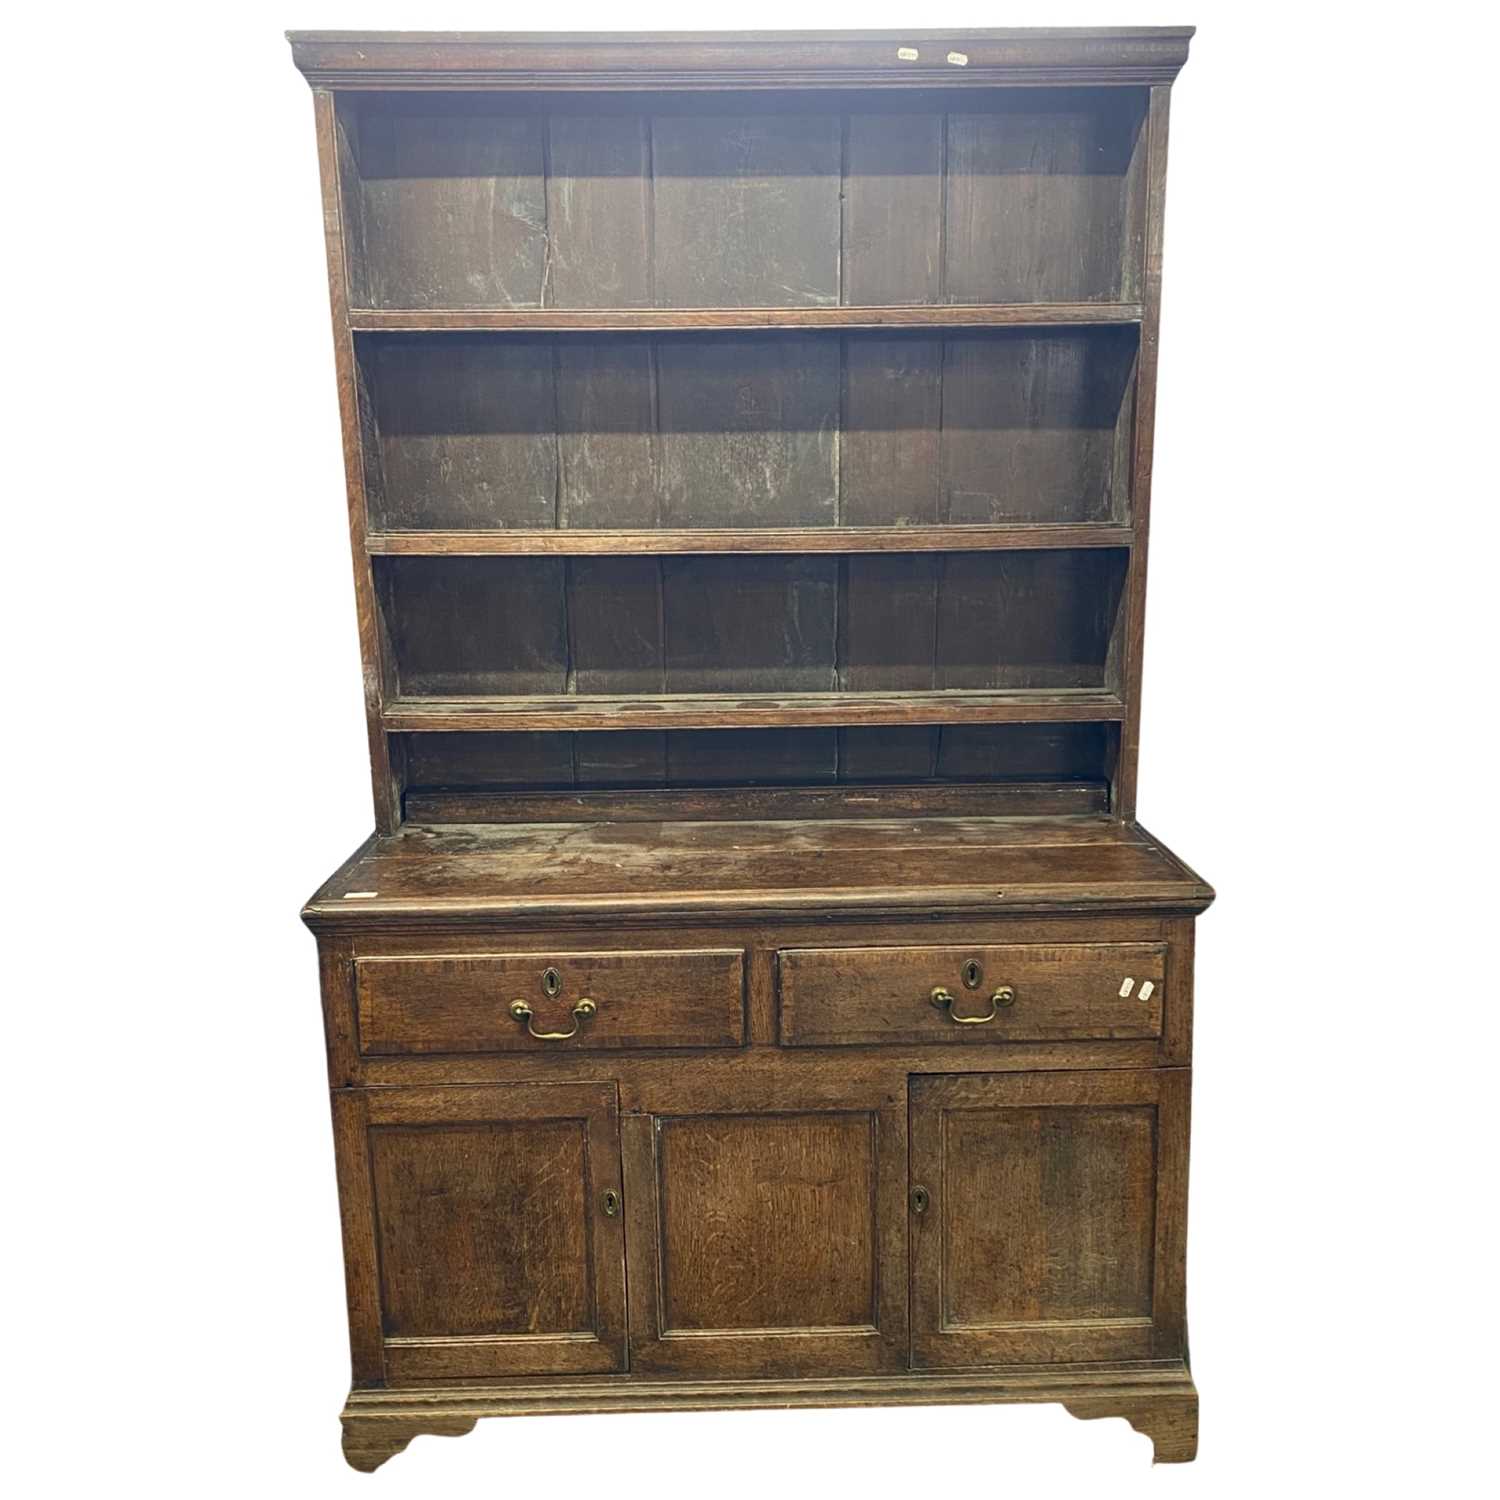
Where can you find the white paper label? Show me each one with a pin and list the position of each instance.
(959, 59)
(1126, 988)
(360, 895)
(907, 54)
(1146, 990)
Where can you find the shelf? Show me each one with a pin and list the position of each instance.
(582, 542)
(710, 319)
(747, 710)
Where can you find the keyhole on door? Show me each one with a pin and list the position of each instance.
(551, 983)
(973, 973)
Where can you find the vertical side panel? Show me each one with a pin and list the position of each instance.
(1134, 639)
(385, 779)
(357, 1215)
(1169, 1274)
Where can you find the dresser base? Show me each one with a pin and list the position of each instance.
(1159, 1401)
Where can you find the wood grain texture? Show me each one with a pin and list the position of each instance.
(1045, 1230)
(438, 804)
(872, 996)
(498, 871)
(766, 1222)
(748, 445)
(766, 1231)
(746, 210)
(647, 998)
(1037, 198)
(1142, 444)
(495, 1257)
(687, 60)
(334, 165)
(710, 320)
(1158, 1400)
(898, 537)
(741, 709)
(455, 209)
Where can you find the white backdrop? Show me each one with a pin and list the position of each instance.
(185, 761)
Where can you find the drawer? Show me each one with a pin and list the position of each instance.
(1016, 993)
(527, 1002)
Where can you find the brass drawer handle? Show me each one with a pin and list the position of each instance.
(943, 1000)
(582, 1012)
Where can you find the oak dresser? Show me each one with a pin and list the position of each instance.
(757, 990)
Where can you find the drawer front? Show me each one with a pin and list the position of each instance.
(530, 1002)
(1017, 993)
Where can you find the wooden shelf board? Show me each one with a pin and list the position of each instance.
(710, 319)
(793, 539)
(748, 710)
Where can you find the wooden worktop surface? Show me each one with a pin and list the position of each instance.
(724, 869)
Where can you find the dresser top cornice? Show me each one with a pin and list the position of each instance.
(740, 59)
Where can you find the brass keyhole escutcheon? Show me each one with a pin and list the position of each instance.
(919, 1200)
(611, 1203)
(551, 983)
(973, 974)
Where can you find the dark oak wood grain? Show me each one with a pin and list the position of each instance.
(757, 990)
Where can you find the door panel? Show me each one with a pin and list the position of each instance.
(1051, 1230)
(767, 1241)
(495, 1254)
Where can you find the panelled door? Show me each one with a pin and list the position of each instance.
(485, 1230)
(767, 1230)
(1046, 1212)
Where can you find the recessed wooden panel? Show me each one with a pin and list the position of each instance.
(730, 431)
(1027, 619)
(767, 1221)
(748, 427)
(767, 1229)
(1049, 1230)
(747, 209)
(890, 472)
(1048, 1215)
(883, 996)
(893, 209)
(758, 757)
(1030, 426)
(1052, 753)
(1026, 196)
(606, 433)
(889, 622)
(460, 1003)
(468, 625)
(455, 209)
(1039, 197)
(466, 428)
(615, 625)
(750, 624)
(494, 1255)
(451, 1202)
(599, 210)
